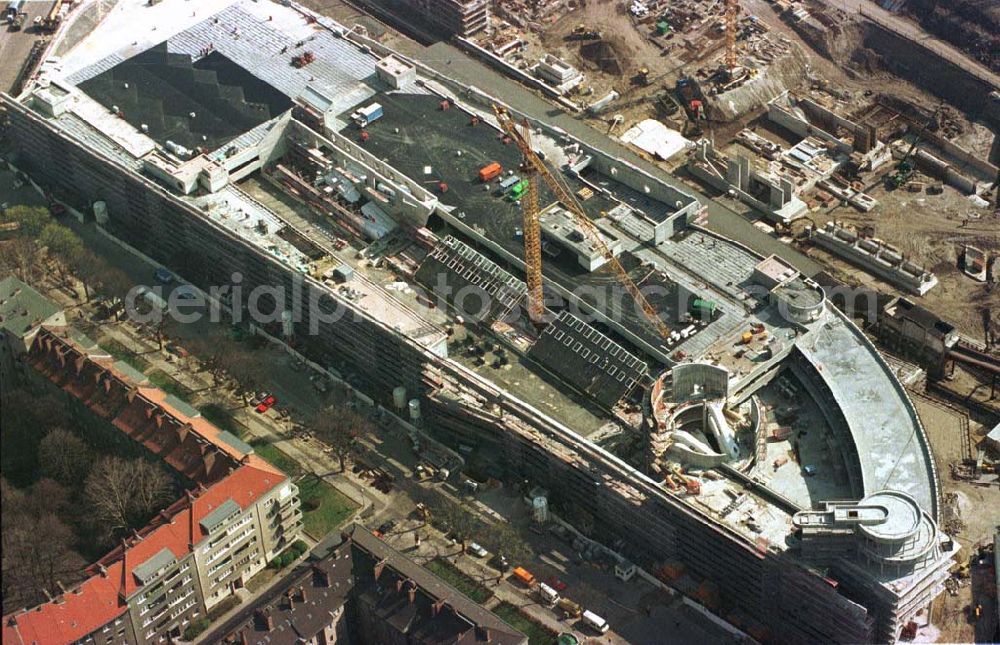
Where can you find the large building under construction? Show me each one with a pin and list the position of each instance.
(765, 460)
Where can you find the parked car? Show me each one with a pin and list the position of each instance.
(386, 526)
(499, 562)
(258, 397)
(319, 383)
(266, 404)
(163, 276)
(556, 584)
(476, 550)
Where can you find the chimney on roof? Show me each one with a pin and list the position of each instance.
(59, 584)
(47, 594)
(264, 619)
(302, 593)
(290, 596)
(378, 568)
(324, 576)
(190, 497)
(411, 590)
(437, 607)
(483, 634)
(103, 569)
(121, 590)
(243, 637)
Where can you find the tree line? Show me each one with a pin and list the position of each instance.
(64, 505)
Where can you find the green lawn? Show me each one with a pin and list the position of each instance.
(332, 508)
(459, 580)
(168, 384)
(273, 454)
(123, 353)
(221, 418)
(537, 633)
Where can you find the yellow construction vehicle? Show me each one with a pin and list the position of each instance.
(532, 168)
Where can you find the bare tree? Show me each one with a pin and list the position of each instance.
(37, 549)
(20, 257)
(115, 284)
(212, 352)
(62, 243)
(506, 539)
(243, 368)
(340, 429)
(462, 524)
(123, 493)
(64, 457)
(89, 269)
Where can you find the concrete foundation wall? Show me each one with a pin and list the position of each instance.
(885, 263)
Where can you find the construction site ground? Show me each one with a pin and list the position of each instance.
(930, 230)
(963, 517)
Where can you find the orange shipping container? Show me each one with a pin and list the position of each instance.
(490, 171)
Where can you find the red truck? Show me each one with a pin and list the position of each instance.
(489, 172)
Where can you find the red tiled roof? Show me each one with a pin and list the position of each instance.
(100, 599)
(97, 600)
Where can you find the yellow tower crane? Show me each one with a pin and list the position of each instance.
(732, 15)
(533, 167)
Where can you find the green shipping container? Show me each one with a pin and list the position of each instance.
(703, 306)
(662, 27)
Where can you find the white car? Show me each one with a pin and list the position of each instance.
(476, 550)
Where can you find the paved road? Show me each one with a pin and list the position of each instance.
(452, 62)
(915, 33)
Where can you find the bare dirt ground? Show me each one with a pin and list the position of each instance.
(953, 614)
(930, 230)
(970, 514)
(630, 45)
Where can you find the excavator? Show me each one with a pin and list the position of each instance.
(532, 168)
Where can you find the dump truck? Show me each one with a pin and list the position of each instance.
(524, 576)
(569, 608)
(517, 190)
(490, 171)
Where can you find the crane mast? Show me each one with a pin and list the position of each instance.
(732, 13)
(535, 167)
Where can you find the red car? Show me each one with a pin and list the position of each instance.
(556, 584)
(266, 404)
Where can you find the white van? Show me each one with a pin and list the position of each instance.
(594, 621)
(549, 595)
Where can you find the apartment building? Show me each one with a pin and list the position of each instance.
(366, 592)
(238, 513)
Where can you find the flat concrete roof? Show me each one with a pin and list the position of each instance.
(891, 444)
(22, 308)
